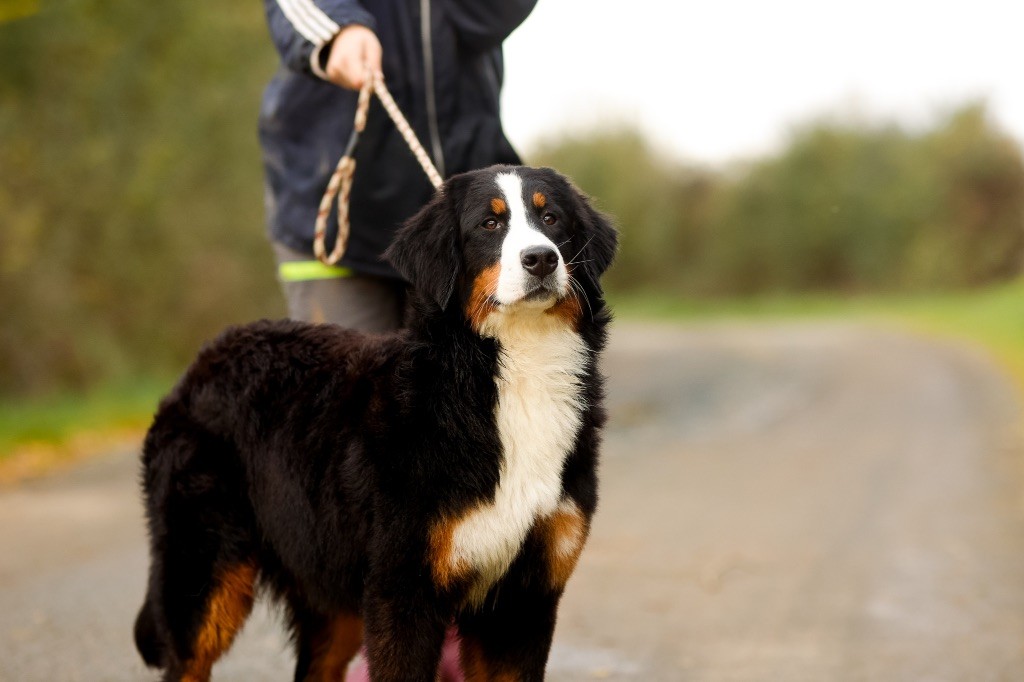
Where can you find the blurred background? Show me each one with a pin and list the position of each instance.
(791, 488)
(746, 150)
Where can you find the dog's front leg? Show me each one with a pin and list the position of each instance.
(404, 625)
(508, 637)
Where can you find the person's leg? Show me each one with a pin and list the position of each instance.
(318, 293)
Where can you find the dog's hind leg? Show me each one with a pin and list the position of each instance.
(326, 645)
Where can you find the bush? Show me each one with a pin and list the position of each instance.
(844, 207)
(662, 208)
(131, 220)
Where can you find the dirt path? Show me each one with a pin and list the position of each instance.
(779, 503)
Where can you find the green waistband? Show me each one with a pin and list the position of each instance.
(306, 270)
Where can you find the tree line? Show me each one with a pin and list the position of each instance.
(845, 206)
(131, 217)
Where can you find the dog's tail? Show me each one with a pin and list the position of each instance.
(147, 637)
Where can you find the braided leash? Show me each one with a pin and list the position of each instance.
(340, 184)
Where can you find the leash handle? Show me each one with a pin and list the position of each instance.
(340, 184)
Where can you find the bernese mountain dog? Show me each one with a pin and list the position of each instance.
(384, 487)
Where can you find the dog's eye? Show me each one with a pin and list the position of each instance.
(489, 224)
(549, 218)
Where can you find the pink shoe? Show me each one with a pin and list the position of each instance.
(448, 670)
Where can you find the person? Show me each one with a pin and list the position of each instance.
(442, 62)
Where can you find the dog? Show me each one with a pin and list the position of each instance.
(384, 487)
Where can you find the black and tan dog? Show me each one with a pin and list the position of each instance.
(387, 486)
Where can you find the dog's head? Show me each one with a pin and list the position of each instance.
(506, 238)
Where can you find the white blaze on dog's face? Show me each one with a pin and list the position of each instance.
(533, 272)
(520, 236)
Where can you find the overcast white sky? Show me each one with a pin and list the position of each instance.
(714, 80)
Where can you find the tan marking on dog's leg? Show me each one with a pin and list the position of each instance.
(539, 200)
(565, 533)
(498, 206)
(334, 648)
(480, 304)
(476, 667)
(229, 605)
(446, 568)
(471, 656)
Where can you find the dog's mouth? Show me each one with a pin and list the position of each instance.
(544, 287)
(537, 298)
(540, 291)
(535, 292)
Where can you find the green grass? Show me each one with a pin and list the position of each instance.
(53, 421)
(992, 317)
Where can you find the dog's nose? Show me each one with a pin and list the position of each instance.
(539, 261)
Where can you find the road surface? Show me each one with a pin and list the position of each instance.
(791, 502)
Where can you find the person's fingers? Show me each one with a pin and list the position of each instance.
(350, 71)
(337, 69)
(372, 56)
(355, 50)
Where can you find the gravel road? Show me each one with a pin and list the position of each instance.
(790, 502)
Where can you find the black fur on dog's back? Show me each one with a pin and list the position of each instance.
(333, 468)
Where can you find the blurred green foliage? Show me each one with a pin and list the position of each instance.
(844, 207)
(131, 221)
(131, 217)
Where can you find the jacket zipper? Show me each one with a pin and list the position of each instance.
(428, 72)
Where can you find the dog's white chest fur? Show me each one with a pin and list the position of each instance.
(538, 419)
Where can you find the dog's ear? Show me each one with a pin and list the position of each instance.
(597, 238)
(425, 249)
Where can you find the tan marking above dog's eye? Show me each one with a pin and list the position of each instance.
(549, 218)
(539, 200)
(489, 224)
(498, 206)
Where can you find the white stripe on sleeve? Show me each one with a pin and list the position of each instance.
(300, 25)
(309, 20)
(317, 16)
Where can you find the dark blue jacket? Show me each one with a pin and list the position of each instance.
(306, 121)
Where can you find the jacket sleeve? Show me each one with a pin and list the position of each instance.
(484, 25)
(301, 29)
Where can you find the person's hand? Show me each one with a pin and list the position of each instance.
(355, 50)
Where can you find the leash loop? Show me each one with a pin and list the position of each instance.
(340, 184)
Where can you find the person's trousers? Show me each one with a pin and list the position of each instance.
(316, 292)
